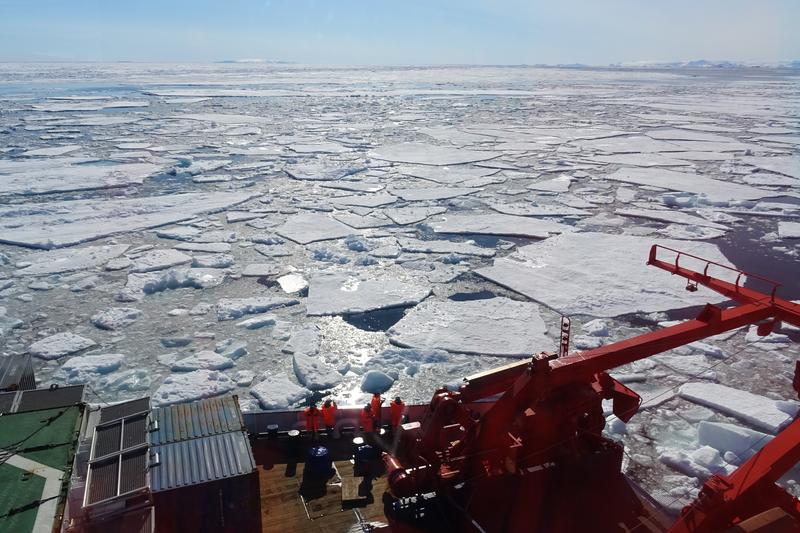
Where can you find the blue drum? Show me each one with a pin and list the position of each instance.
(319, 462)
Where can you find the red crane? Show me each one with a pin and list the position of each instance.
(535, 458)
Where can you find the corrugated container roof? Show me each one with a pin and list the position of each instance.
(202, 418)
(121, 410)
(201, 460)
(16, 372)
(33, 400)
(7, 401)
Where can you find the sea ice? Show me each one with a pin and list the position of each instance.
(292, 283)
(233, 308)
(335, 293)
(141, 284)
(191, 386)
(376, 382)
(278, 392)
(63, 223)
(313, 373)
(758, 411)
(57, 261)
(206, 360)
(159, 260)
(715, 190)
(558, 270)
(412, 215)
(789, 230)
(59, 345)
(433, 193)
(444, 247)
(724, 437)
(81, 368)
(305, 228)
(429, 154)
(115, 317)
(473, 327)
(497, 224)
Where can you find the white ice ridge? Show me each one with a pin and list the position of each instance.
(429, 154)
(474, 327)
(758, 411)
(714, 190)
(57, 261)
(64, 223)
(497, 224)
(337, 293)
(599, 274)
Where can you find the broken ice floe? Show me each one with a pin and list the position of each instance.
(59, 345)
(473, 327)
(345, 293)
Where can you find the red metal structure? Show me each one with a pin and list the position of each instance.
(536, 459)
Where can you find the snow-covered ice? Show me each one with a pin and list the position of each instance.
(116, 317)
(190, 386)
(278, 392)
(558, 270)
(497, 326)
(59, 345)
(343, 293)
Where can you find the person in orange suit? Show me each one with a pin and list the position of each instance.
(311, 415)
(396, 408)
(329, 409)
(366, 419)
(375, 406)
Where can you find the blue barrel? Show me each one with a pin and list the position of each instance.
(319, 462)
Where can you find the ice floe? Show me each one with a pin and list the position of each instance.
(337, 293)
(59, 345)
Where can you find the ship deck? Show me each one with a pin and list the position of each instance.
(293, 502)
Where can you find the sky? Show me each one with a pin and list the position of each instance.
(401, 32)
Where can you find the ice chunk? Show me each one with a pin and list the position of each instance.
(305, 228)
(292, 283)
(758, 411)
(7, 323)
(684, 464)
(497, 224)
(560, 184)
(376, 382)
(338, 293)
(304, 341)
(116, 317)
(206, 359)
(57, 261)
(365, 200)
(141, 284)
(319, 171)
(313, 373)
(444, 247)
(231, 348)
(412, 215)
(257, 322)
(63, 223)
(244, 378)
(789, 230)
(80, 369)
(669, 215)
(433, 193)
(213, 261)
(278, 392)
(408, 361)
(557, 272)
(743, 442)
(446, 175)
(715, 190)
(429, 154)
(59, 345)
(596, 328)
(51, 151)
(260, 269)
(68, 175)
(159, 260)
(191, 386)
(787, 165)
(497, 326)
(209, 247)
(233, 308)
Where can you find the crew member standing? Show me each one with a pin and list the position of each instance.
(396, 408)
(366, 420)
(329, 409)
(311, 414)
(375, 406)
